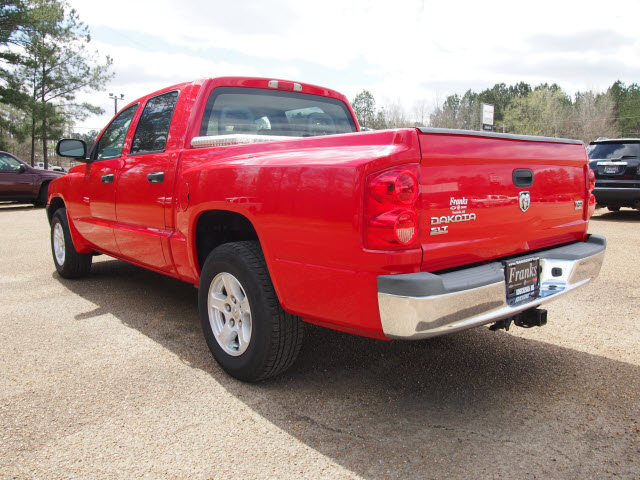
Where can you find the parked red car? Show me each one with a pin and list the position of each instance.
(20, 182)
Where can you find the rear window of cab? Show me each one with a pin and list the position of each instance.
(255, 111)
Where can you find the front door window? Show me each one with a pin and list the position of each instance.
(112, 140)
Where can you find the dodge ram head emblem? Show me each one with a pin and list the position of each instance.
(525, 200)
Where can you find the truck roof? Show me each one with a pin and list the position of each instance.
(253, 82)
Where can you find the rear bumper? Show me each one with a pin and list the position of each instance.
(620, 196)
(422, 305)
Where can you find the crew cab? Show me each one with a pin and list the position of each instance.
(266, 196)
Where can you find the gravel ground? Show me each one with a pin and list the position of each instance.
(110, 377)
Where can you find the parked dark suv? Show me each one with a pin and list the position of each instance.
(22, 183)
(616, 163)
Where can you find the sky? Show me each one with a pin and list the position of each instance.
(403, 51)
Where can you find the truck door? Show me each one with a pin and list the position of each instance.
(144, 187)
(100, 184)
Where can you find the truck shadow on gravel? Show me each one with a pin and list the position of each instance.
(471, 405)
(622, 216)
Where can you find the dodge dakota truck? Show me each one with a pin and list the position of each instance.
(267, 197)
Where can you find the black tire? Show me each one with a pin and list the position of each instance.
(275, 335)
(71, 264)
(613, 208)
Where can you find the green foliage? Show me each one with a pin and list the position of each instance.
(464, 112)
(88, 137)
(546, 110)
(543, 112)
(364, 106)
(593, 116)
(13, 18)
(52, 66)
(458, 112)
(500, 96)
(627, 107)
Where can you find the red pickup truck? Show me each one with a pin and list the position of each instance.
(266, 196)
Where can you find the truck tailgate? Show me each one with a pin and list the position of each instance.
(485, 196)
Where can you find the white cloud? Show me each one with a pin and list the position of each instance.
(408, 49)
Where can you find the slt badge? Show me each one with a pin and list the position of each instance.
(525, 201)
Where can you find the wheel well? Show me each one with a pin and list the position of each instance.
(42, 192)
(217, 227)
(56, 203)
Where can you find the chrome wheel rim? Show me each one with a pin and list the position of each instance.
(229, 314)
(58, 244)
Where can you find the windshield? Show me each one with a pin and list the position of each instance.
(613, 150)
(233, 110)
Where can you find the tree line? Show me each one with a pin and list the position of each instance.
(521, 109)
(45, 62)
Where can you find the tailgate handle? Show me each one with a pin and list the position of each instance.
(523, 177)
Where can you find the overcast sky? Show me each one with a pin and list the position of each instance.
(400, 50)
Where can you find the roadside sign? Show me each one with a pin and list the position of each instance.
(487, 117)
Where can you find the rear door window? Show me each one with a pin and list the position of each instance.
(153, 126)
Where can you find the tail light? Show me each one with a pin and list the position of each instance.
(391, 218)
(591, 176)
(590, 206)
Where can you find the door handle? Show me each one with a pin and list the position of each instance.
(155, 177)
(107, 178)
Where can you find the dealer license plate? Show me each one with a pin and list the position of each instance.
(522, 279)
(611, 169)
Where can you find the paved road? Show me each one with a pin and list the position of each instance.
(109, 377)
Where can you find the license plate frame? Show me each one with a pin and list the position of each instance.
(522, 279)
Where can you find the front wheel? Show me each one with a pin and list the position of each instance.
(246, 329)
(69, 263)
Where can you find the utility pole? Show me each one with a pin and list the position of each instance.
(115, 101)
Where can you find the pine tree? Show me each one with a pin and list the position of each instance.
(55, 65)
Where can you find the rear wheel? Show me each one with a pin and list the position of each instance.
(613, 208)
(69, 263)
(246, 329)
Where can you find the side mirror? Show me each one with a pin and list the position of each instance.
(71, 147)
(22, 168)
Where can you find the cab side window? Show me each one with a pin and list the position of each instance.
(153, 127)
(112, 140)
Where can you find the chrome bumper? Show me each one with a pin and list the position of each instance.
(422, 305)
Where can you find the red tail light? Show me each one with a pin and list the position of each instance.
(590, 206)
(396, 187)
(391, 219)
(592, 180)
